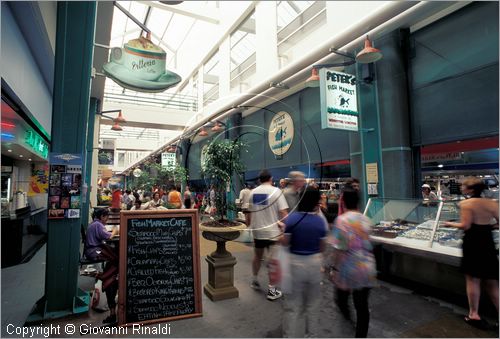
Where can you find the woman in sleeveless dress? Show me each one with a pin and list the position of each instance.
(480, 257)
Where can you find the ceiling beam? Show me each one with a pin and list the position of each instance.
(207, 14)
(145, 125)
(210, 79)
(248, 26)
(294, 7)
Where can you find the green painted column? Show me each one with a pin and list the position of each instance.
(384, 136)
(73, 63)
(89, 151)
(369, 132)
(392, 84)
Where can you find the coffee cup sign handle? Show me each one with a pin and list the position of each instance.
(116, 55)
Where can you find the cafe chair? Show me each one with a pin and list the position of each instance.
(85, 261)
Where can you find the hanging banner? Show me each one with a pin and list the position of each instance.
(65, 182)
(280, 135)
(339, 108)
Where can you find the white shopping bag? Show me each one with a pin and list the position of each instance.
(99, 302)
(279, 266)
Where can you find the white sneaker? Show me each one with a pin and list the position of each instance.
(274, 294)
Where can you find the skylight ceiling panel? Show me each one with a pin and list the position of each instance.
(118, 26)
(138, 10)
(158, 21)
(177, 30)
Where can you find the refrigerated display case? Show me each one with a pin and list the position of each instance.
(411, 241)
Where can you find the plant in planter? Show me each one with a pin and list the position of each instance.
(221, 161)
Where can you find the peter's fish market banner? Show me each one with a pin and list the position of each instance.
(339, 107)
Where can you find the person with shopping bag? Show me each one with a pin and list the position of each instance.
(304, 238)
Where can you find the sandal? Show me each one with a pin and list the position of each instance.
(477, 323)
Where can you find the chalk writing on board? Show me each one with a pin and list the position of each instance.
(160, 280)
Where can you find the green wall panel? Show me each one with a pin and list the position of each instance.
(454, 76)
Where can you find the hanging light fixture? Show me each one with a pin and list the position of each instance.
(116, 127)
(217, 127)
(368, 54)
(120, 119)
(313, 80)
(203, 132)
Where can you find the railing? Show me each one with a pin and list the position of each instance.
(163, 100)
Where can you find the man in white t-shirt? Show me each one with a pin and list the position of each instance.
(267, 208)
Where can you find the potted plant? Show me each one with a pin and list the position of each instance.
(221, 161)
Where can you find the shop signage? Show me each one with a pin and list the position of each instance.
(280, 135)
(36, 142)
(168, 160)
(339, 108)
(372, 173)
(65, 183)
(159, 266)
(140, 66)
(435, 157)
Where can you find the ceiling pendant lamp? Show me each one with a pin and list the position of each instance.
(116, 127)
(203, 133)
(120, 119)
(368, 54)
(313, 80)
(217, 127)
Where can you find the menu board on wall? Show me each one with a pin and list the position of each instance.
(159, 266)
(65, 182)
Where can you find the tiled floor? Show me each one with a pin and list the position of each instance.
(395, 311)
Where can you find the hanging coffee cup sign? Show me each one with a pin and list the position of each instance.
(142, 58)
(140, 66)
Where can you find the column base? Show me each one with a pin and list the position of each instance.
(216, 294)
(220, 284)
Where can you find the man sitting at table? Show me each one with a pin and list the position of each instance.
(96, 249)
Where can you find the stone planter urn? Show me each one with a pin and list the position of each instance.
(221, 263)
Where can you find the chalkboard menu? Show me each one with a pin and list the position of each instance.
(159, 266)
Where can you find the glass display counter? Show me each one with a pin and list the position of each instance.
(411, 242)
(417, 224)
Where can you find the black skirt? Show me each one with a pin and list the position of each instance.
(480, 257)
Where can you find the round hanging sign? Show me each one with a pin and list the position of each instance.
(280, 134)
(137, 172)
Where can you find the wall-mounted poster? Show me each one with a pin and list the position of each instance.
(65, 181)
(39, 181)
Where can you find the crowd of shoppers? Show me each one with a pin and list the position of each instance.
(294, 217)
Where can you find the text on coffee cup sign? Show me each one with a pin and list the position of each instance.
(142, 64)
